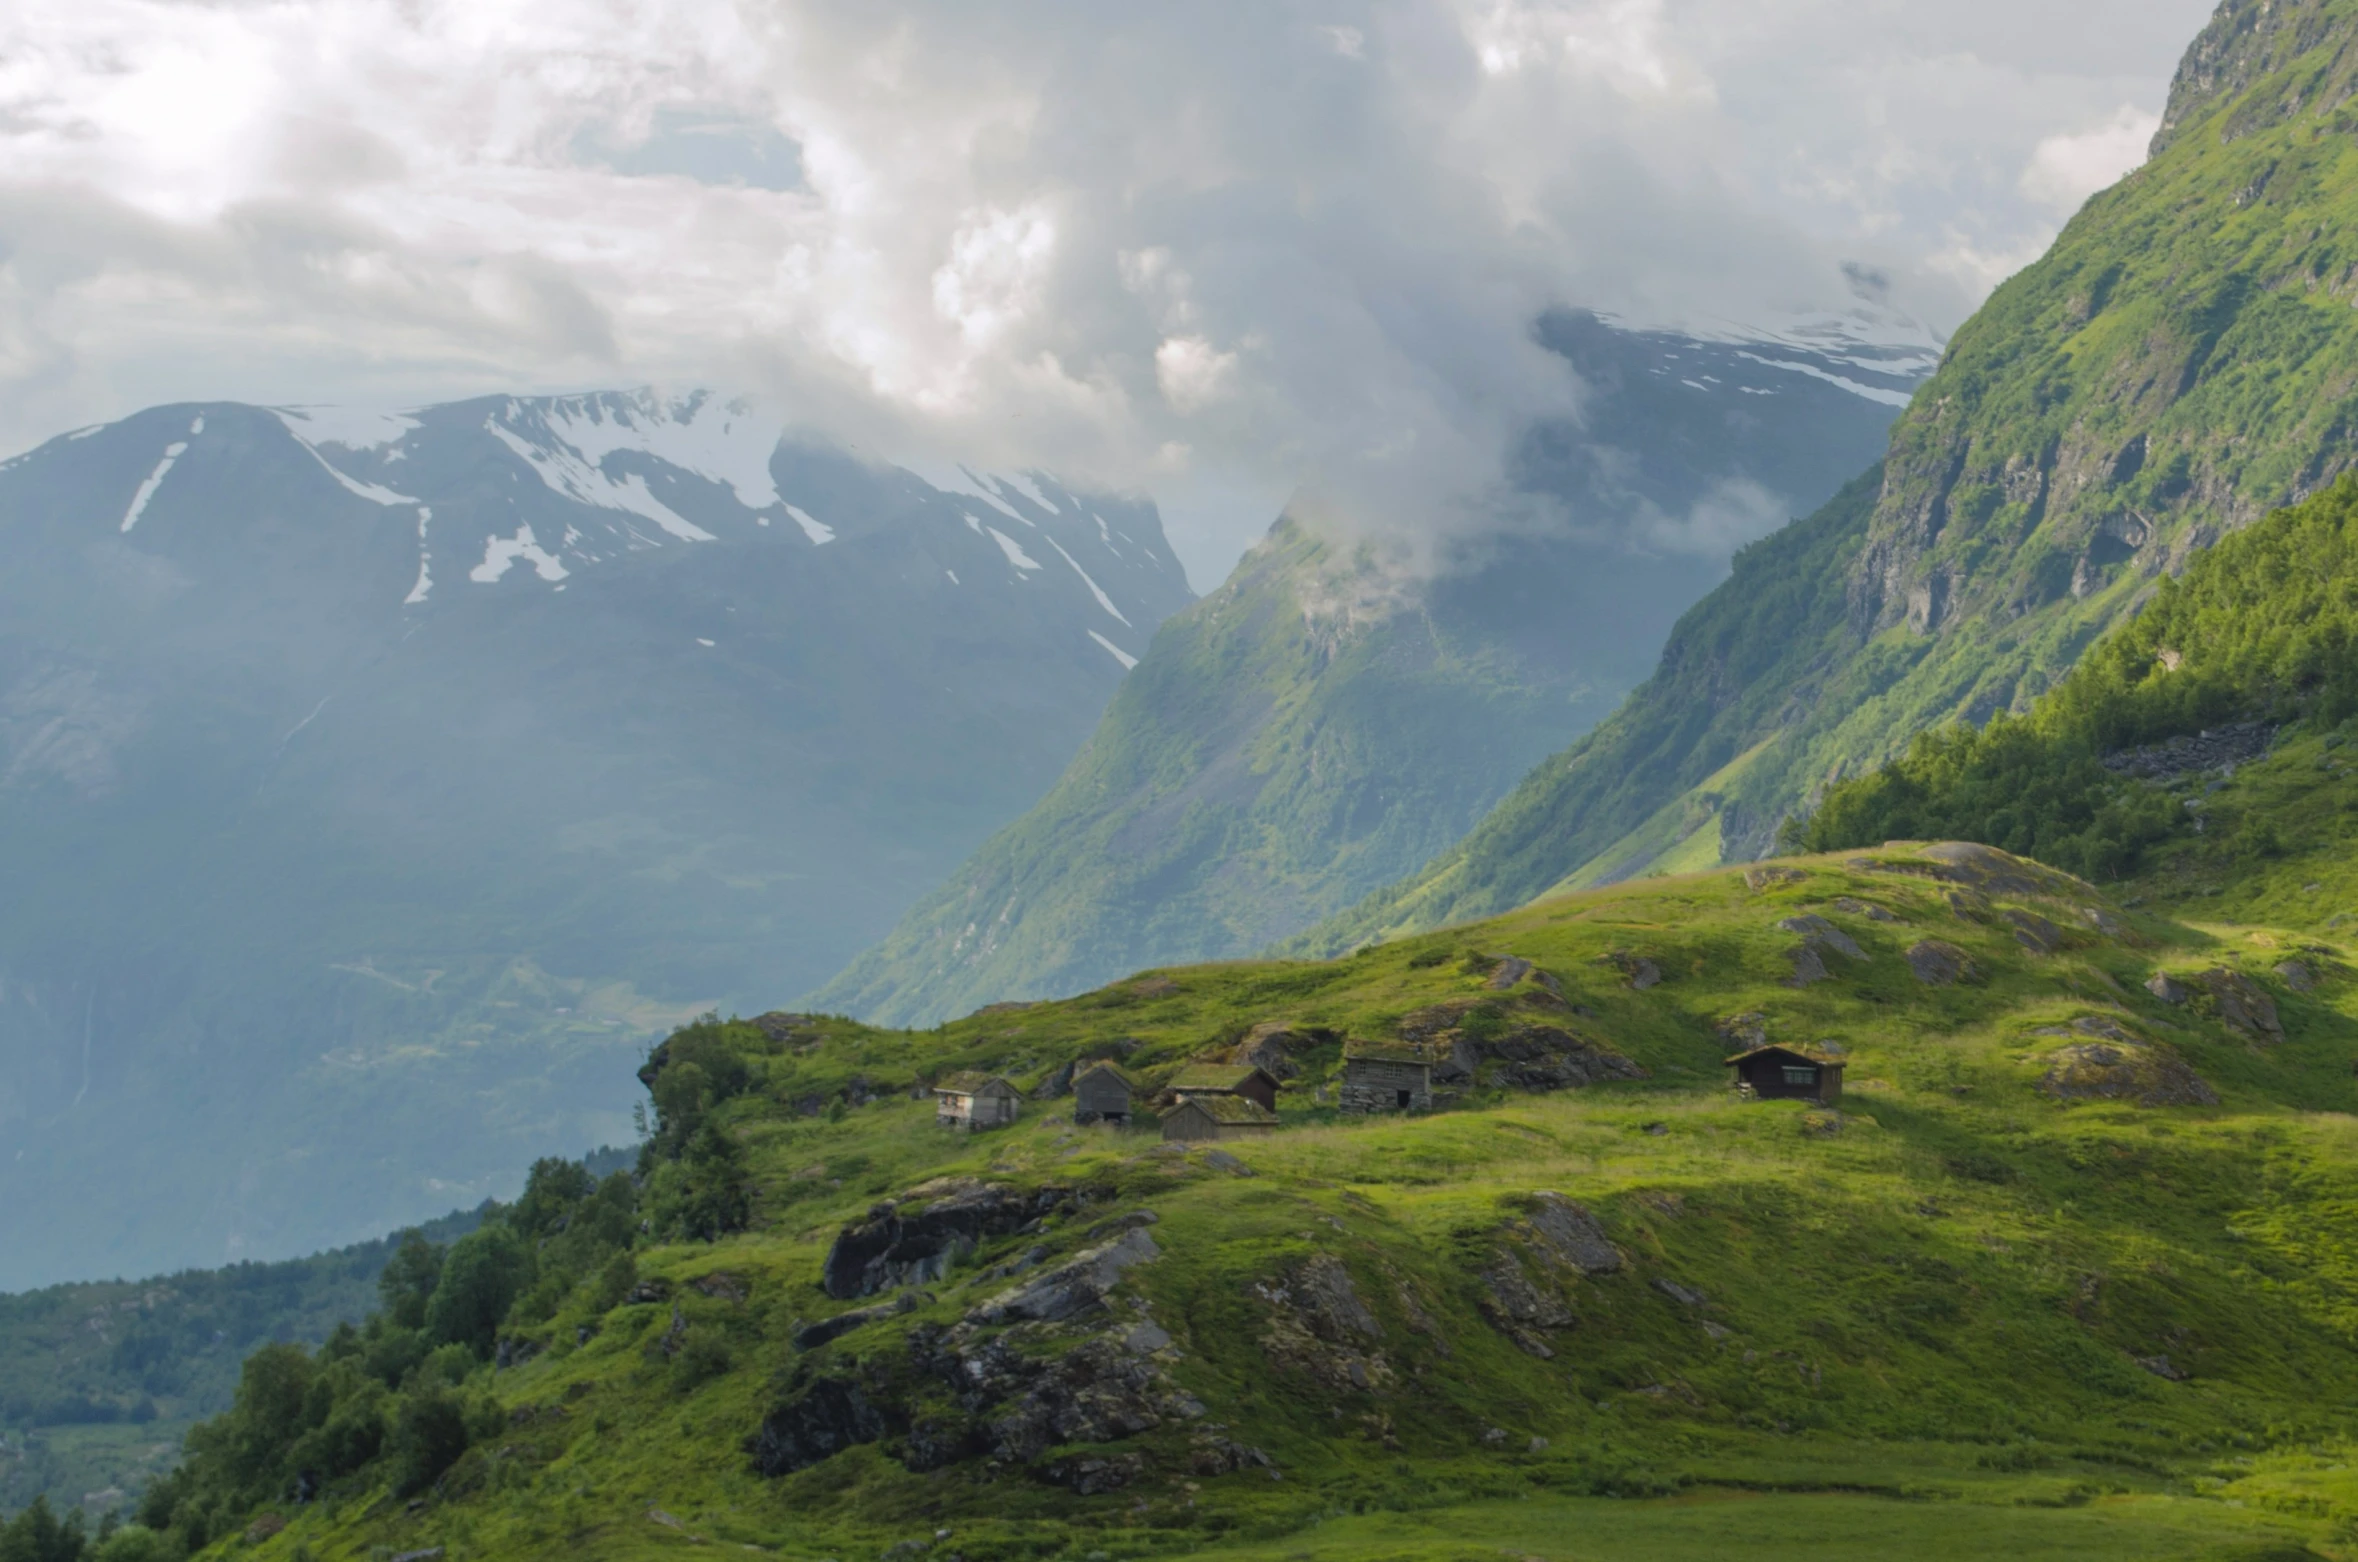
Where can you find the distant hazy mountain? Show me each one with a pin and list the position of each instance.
(1318, 726)
(369, 784)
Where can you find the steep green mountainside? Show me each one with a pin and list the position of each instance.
(2182, 361)
(2064, 1272)
(2256, 640)
(1330, 718)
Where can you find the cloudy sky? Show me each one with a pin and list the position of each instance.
(1214, 249)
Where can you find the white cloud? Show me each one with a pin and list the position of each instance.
(1220, 252)
(1192, 372)
(2067, 168)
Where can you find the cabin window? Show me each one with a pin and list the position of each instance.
(1800, 1074)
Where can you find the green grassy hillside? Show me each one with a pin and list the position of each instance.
(2177, 365)
(2067, 1271)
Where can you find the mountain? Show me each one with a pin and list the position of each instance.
(384, 782)
(1329, 718)
(2176, 366)
(2062, 1271)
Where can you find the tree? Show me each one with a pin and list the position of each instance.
(481, 1279)
(36, 1535)
(409, 1278)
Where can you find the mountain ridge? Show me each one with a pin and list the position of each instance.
(1330, 716)
(2171, 369)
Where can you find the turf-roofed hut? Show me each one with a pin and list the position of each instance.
(1243, 1080)
(1387, 1076)
(1217, 1117)
(970, 1099)
(1101, 1094)
(1789, 1074)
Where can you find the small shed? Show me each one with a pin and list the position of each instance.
(1217, 1117)
(1386, 1076)
(1226, 1079)
(975, 1100)
(1101, 1094)
(1789, 1074)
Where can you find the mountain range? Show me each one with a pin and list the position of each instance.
(372, 786)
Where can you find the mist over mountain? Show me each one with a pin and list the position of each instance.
(372, 788)
(1326, 721)
(2175, 367)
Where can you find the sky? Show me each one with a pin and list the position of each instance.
(1223, 252)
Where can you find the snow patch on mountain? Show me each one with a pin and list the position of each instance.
(949, 478)
(570, 471)
(500, 553)
(1125, 658)
(418, 592)
(155, 480)
(352, 428)
(1024, 485)
(1103, 600)
(1014, 551)
(816, 531)
(729, 442)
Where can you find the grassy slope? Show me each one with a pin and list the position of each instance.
(1944, 1300)
(1261, 768)
(2180, 362)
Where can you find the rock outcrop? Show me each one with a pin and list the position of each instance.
(2220, 748)
(827, 1417)
(1077, 1286)
(1318, 1325)
(899, 1245)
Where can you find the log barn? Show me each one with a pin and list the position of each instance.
(973, 1100)
(1789, 1074)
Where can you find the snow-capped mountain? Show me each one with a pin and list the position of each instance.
(384, 776)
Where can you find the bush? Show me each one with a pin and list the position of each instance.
(429, 1434)
(703, 1355)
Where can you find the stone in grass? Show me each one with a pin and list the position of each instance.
(1939, 964)
(2163, 1367)
(1568, 1233)
(2236, 1000)
(1769, 878)
(1685, 1296)
(1853, 906)
(2035, 933)
(2298, 975)
(2142, 1074)
(1816, 931)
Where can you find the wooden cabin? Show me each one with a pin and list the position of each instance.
(1101, 1094)
(1225, 1079)
(973, 1100)
(1215, 1116)
(1386, 1076)
(1789, 1074)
